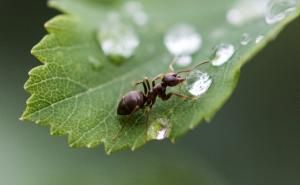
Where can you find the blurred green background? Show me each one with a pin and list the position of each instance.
(253, 140)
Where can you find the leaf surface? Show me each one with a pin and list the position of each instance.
(77, 89)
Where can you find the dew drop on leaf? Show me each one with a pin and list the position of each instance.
(117, 39)
(223, 53)
(159, 129)
(277, 10)
(198, 82)
(245, 39)
(184, 60)
(246, 10)
(182, 40)
(259, 39)
(136, 12)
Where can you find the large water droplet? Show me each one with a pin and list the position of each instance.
(222, 54)
(198, 82)
(277, 10)
(183, 40)
(117, 39)
(259, 39)
(184, 60)
(246, 10)
(135, 11)
(245, 39)
(159, 129)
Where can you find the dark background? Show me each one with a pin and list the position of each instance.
(253, 140)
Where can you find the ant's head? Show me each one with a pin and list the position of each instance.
(172, 79)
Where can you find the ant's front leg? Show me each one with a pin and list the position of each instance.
(171, 68)
(165, 97)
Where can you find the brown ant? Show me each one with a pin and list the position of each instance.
(135, 100)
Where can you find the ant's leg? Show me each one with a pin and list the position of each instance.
(152, 103)
(183, 97)
(144, 86)
(138, 82)
(146, 81)
(171, 68)
(158, 77)
(153, 83)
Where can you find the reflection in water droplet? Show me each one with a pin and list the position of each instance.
(246, 10)
(159, 129)
(259, 39)
(245, 39)
(182, 40)
(184, 60)
(223, 54)
(136, 11)
(277, 10)
(97, 64)
(198, 82)
(117, 39)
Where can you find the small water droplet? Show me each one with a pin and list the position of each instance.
(222, 54)
(118, 40)
(198, 82)
(97, 64)
(245, 10)
(135, 10)
(277, 10)
(183, 40)
(245, 39)
(259, 39)
(159, 129)
(184, 60)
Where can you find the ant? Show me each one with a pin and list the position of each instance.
(135, 100)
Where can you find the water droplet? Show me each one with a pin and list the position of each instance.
(182, 40)
(259, 39)
(245, 10)
(246, 38)
(117, 39)
(198, 82)
(159, 129)
(135, 11)
(222, 54)
(277, 10)
(97, 64)
(184, 60)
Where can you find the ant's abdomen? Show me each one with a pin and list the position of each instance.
(131, 102)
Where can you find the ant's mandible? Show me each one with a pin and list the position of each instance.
(135, 100)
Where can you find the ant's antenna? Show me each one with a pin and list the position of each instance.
(189, 70)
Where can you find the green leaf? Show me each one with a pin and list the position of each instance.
(77, 89)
